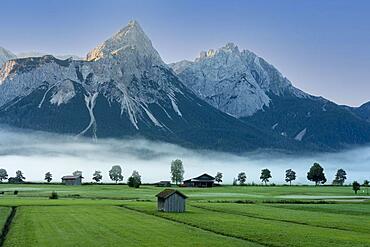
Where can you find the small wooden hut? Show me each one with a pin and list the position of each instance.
(163, 184)
(170, 200)
(72, 180)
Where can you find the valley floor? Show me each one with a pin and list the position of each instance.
(115, 215)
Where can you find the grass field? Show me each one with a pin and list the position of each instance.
(147, 192)
(104, 226)
(115, 215)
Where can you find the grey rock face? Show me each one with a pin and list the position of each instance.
(236, 82)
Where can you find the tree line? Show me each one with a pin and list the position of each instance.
(315, 174)
(115, 174)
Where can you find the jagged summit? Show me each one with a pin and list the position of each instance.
(229, 48)
(236, 82)
(5, 55)
(129, 40)
(124, 89)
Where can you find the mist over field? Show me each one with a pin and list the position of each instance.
(36, 153)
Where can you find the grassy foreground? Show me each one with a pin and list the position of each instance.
(115, 215)
(104, 226)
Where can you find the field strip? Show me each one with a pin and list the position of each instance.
(270, 219)
(7, 225)
(200, 228)
(321, 209)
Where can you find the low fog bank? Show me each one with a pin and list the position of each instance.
(36, 153)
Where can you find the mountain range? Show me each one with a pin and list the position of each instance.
(247, 87)
(41, 54)
(227, 99)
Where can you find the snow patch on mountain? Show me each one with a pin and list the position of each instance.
(300, 135)
(90, 100)
(63, 92)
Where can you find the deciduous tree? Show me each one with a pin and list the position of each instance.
(177, 171)
(3, 175)
(366, 185)
(265, 175)
(290, 176)
(77, 173)
(48, 177)
(19, 176)
(134, 180)
(97, 176)
(242, 178)
(115, 173)
(340, 177)
(316, 174)
(218, 177)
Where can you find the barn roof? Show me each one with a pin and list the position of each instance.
(168, 192)
(163, 182)
(202, 178)
(71, 177)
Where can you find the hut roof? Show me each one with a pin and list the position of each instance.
(71, 177)
(163, 182)
(168, 192)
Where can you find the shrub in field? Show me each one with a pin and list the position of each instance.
(15, 192)
(53, 195)
(74, 195)
(18, 179)
(356, 187)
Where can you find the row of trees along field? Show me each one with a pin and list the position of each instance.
(115, 174)
(315, 174)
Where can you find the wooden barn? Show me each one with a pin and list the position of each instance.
(72, 180)
(204, 180)
(170, 200)
(163, 184)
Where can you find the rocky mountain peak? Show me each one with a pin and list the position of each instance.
(130, 40)
(236, 82)
(230, 49)
(5, 55)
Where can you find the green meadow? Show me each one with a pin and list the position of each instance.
(116, 215)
